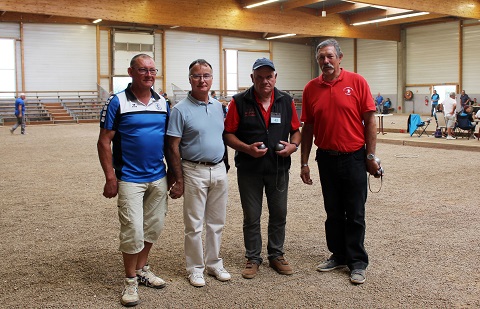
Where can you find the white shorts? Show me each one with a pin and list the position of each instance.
(451, 119)
(142, 208)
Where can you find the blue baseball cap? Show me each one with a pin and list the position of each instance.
(261, 62)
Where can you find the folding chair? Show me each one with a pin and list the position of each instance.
(441, 122)
(463, 125)
(416, 125)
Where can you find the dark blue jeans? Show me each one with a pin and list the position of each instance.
(344, 186)
(251, 186)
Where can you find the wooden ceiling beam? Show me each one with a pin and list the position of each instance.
(293, 4)
(459, 8)
(228, 15)
(344, 6)
(374, 14)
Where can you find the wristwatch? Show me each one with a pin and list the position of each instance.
(296, 146)
(371, 156)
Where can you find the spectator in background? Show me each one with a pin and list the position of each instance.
(449, 106)
(196, 153)
(435, 97)
(387, 105)
(378, 103)
(213, 94)
(165, 96)
(258, 120)
(345, 154)
(468, 112)
(19, 114)
(464, 99)
(135, 120)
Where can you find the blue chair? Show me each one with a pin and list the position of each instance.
(464, 126)
(416, 125)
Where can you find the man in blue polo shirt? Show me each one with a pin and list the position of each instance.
(196, 149)
(135, 120)
(20, 114)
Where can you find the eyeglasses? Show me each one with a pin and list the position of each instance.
(204, 76)
(143, 71)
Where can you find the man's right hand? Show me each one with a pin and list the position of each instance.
(305, 175)
(110, 189)
(255, 152)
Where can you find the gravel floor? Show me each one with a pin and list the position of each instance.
(60, 236)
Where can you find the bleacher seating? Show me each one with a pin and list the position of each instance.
(54, 107)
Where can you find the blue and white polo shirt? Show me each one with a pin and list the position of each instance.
(139, 135)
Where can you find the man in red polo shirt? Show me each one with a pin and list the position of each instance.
(259, 123)
(338, 109)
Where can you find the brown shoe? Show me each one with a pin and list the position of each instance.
(250, 270)
(281, 266)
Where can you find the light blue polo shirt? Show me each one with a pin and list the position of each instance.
(200, 127)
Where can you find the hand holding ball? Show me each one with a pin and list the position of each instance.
(279, 147)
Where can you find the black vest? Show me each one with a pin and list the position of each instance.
(252, 129)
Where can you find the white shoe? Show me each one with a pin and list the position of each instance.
(146, 277)
(451, 137)
(196, 279)
(130, 293)
(221, 274)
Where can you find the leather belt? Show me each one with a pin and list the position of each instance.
(334, 152)
(201, 163)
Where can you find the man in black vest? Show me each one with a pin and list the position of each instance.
(258, 126)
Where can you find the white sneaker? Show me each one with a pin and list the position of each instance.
(451, 137)
(147, 277)
(130, 293)
(196, 279)
(221, 274)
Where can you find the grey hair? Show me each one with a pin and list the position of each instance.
(452, 94)
(330, 42)
(200, 62)
(134, 59)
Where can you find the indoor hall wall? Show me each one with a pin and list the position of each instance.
(293, 64)
(181, 48)
(471, 61)
(60, 57)
(432, 54)
(347, 47)
(377, 63)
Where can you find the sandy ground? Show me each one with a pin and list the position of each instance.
(59, 236)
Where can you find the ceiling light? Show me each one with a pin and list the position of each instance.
(96, 21)
(324, 13)
(174, 27)
(259, 3)
(389, 18)
(281, 36)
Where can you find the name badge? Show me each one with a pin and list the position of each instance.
(275, 118)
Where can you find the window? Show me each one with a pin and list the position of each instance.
(7, 68)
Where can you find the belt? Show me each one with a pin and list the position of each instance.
(202, 163)
(334, 152)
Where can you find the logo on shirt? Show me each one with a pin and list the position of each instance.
(249, 113)
(134, 105)
(158, 106)
(348, 90)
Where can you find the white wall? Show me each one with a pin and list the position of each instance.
(293, 63)
(432, 54)
(60, 57)
(184, 47)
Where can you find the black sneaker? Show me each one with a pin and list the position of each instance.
(329, 265)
